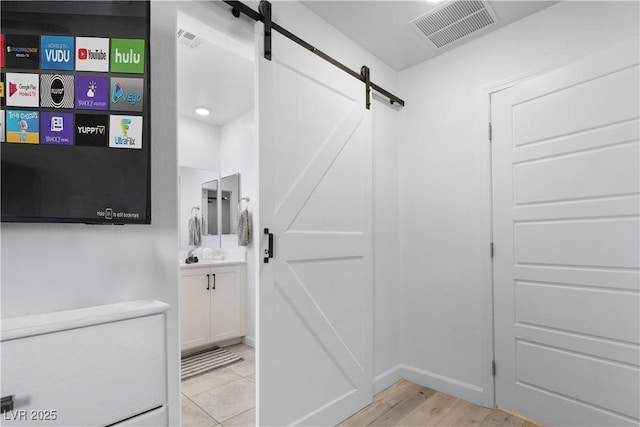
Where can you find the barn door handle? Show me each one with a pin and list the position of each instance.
(268, 252)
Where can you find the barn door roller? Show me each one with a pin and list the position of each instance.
(264, 15)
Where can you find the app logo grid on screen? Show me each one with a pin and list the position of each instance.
(22, 126)
(57, 53)
(82, 92)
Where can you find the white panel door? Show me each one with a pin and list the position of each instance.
(315, 303)
(566, 231)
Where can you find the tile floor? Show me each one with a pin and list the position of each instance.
(223, 397)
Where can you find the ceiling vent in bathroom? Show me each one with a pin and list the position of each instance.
(188, 39)
(454, 21)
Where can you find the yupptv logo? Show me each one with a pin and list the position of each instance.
(57, 53)
(127, 56)
(126, 94)
(125, 131)
(92, 130)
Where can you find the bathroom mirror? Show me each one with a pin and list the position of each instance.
(230, 198)
(193, 183)
(210, 207)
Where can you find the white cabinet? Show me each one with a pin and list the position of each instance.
(212, 304)
(93, 366)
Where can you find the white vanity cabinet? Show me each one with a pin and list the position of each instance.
(212, 303)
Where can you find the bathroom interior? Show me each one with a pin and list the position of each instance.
(216, 158)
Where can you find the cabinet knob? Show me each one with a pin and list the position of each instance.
(6, 404)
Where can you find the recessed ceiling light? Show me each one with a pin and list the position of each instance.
(202, 111)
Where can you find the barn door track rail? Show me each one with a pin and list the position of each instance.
(264, 15)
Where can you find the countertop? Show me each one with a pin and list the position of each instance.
(212, 263)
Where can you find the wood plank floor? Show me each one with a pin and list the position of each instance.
(408, 404)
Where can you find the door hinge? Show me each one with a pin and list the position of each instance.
(490, 132)
(491, 249)
(493, 368)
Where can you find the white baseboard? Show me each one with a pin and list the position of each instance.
(250, 341)
(385, 379)
(457, 388)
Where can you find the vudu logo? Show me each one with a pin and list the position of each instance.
(126, 94)
(127, 55)
(57, 52)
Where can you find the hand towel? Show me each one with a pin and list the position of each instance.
(244, 227)
(195, 231)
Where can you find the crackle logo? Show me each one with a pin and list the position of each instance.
(126, 132)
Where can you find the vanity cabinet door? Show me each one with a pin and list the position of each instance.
(195, 307)
(227, 304)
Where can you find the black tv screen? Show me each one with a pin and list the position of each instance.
(75, 112)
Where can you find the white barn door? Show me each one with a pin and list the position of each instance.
(566, 232)
(315, 294)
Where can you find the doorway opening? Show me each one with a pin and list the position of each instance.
(217, 158)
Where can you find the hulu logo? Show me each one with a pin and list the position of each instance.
(127, 56)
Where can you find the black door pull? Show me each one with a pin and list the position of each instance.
(268, 252)
(208, 283)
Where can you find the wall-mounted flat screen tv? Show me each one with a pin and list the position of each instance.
(75, 112)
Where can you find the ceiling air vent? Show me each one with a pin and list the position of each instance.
(188, 39)
(454, 21)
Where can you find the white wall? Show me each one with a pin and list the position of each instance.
(386, 287)
(51, 267)
(238, 154)
(198, 144)
(444, 181)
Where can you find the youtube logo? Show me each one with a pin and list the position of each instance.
(92, 54)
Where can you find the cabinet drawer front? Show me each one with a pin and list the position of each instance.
(94, 375)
